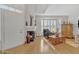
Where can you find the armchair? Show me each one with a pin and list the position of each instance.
(47, 33)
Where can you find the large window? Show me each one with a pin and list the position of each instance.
(53, 25)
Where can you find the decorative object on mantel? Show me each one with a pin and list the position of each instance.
(35, 22)
(26, 23)
(31, 20)
(78, 23)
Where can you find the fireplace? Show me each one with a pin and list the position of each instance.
(30, 36)
(32, 33)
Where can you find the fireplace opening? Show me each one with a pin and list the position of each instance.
(30, 36)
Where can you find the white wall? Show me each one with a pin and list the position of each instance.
(38, 26)
(0, 28)
(74, 21)
(13, 34)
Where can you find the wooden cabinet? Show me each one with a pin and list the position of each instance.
(67, 30)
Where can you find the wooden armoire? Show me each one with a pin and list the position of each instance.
(67, 30)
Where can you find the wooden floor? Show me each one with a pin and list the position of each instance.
(67, 47)
(40, 46)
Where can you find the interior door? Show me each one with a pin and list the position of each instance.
(14, 29)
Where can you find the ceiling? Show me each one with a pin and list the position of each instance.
(54, 9)
(63, 9)
(48, 9)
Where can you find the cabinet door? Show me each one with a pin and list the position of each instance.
(14, 29)
(64, 29)
(70, 29)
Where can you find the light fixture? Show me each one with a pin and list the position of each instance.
(10, 8)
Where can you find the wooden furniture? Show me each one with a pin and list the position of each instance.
(56, 40)
(67, 30)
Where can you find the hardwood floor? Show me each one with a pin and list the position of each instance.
(69, 47)
(66, 49)
(41, 46)
(38, 46)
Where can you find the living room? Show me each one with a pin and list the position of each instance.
(50, 25)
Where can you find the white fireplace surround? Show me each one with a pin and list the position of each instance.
(30, 28)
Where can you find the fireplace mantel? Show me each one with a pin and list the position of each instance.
(30, 28)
